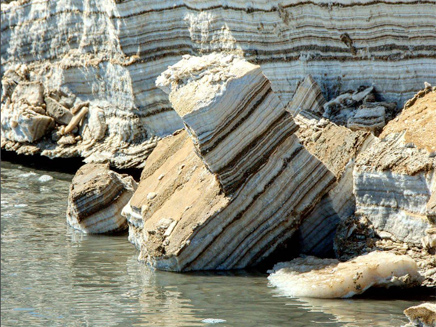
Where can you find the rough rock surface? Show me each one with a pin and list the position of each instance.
(97, 196)
(329, 278)
(357, 236)
(417, 121)
(336, 147)
(240, 206)
(394, 180)
(37, 118)
(423, 315)
(106, 52)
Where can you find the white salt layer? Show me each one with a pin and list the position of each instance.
(329, 278)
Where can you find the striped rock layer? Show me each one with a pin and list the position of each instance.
(336, 147)
(394, 179)
(191, 218)
(108, 53)
(97, 196)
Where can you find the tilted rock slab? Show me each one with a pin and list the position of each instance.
(97, 196)
(108, 53)
(226, 195)
(329, 278)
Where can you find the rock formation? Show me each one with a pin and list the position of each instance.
(329, 278)
(335, 146)
(394, 179)
(238, 184)
(107, 53)
(389, 178)
(97, 196)
(423, 315)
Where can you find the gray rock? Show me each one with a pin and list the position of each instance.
(57, 111)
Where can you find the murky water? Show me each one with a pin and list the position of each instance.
(52, 275)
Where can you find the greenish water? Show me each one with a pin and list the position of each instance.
(52, 275)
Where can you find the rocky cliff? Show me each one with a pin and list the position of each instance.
(109, 53)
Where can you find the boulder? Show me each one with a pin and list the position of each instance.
(97, 196)
(234, 186)
(423, 315)
(57, 111)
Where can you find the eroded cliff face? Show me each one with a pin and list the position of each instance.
(109, 53)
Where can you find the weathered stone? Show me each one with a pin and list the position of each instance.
(423, 315)
(97, 196)
(29, 92)
(241, 204)
(57, 111)
(22, 124)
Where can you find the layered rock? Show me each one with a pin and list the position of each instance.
(97, 196)
(108, 53)
(329, 278)
(335, 146)
(394, 179)
(423, 315)
(206, 201)
(55, 123)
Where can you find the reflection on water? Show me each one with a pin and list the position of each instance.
(55, 276)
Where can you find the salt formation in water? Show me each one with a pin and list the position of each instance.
(329, 278)
(227, 191)
(97, 196)
(423, 315)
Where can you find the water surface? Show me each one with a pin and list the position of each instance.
(52, 275)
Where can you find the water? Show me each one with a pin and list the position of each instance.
(52, 275)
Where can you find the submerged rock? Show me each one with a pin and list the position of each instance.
(97, 196)
(423, 315)
(329, 278)
(228, 192)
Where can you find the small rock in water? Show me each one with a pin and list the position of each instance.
(45, 178)
(422, 315)
(213, 321)
(20, 205)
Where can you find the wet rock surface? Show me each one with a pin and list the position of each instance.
(329, 278)
(423, 315)
(97, 196)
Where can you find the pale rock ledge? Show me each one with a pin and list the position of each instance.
(228, 192)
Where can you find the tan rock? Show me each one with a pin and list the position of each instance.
(97, 196)
(423, 315)
(236, 184)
